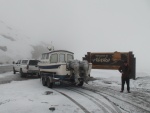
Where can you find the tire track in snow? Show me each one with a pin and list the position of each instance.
(134, 94)
(110, 95)
(83, 108)
(97, 101)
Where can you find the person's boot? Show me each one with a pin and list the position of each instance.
(129, 92)
(121, 91)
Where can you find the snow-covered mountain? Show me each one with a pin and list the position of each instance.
(15, 45)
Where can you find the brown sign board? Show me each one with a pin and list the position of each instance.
(111, 60)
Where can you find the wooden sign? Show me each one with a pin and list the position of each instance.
(111, 60)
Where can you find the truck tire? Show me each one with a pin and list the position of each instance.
(21, 73)
(14, 70)
(43, 81)
(81, 83)
(38, 75)
(49, 84)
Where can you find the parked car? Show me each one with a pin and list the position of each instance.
(26, 67)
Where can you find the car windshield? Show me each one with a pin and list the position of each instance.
(33, 62)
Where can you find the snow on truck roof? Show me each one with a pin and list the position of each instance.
(59, 51)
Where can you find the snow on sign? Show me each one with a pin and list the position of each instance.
(111, 60)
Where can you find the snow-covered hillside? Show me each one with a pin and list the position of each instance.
(15, 45)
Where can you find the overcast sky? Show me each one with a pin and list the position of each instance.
(85, 26)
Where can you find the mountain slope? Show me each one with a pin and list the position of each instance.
(15, 45)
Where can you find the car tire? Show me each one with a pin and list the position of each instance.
(14, 70)
(21, 73)
(81, 83)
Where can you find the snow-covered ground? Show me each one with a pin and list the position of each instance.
(30, 96)
(113, 78)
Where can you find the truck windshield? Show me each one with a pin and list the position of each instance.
(33, 62)
(24, 61)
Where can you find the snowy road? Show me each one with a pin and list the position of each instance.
(96, 103)
(108, 99)
(5, 68)
(99, 96)
(135, 102)
(7, 76)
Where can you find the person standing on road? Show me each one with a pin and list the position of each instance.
(125, 70)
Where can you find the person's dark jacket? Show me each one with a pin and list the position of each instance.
(125, 70)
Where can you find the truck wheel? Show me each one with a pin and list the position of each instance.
(38, 75)
(43, 81)
(21, 73)
(81, 83)
(49, 84)
(14, 70)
